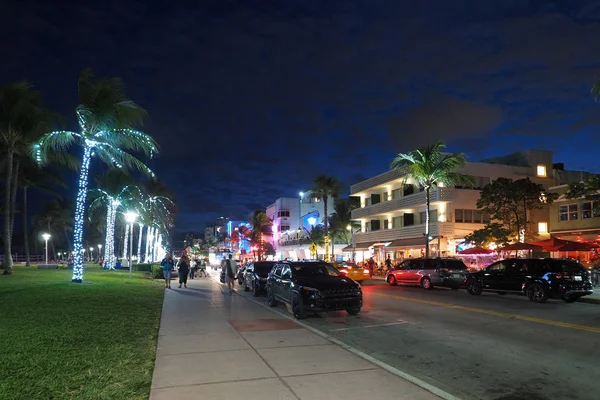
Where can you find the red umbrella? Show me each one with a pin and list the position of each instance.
(551, 244)
(575, 246)
(476, 250)
(521, 246)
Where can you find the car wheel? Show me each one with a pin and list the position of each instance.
(298, 308)
(537, 293)
(271, 299)
(474, 287)
(353, 311)
(426, 283)
(391, 280)
(571, 299)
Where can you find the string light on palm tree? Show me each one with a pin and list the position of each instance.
(130, 218)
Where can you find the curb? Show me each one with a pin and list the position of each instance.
(589, 301)
(401, 374)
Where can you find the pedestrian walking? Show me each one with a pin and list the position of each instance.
(184, 269)
(230, 272)
(167, 264)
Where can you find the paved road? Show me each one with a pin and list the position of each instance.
(486, 347)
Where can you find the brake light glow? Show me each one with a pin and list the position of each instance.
(343, 271)
(366, 271)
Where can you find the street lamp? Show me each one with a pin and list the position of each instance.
(300, 210)
(46, 237)
(59, 255)
(130, 217)
(91, 254)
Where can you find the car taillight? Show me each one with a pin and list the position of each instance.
(366, 271)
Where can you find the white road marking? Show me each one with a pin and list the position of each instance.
(400, 322)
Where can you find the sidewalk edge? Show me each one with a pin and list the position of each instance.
(414, 380)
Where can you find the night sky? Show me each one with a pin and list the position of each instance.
(250, 100)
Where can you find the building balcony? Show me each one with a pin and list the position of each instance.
(406, 232)
(407, 202)
(376, 181)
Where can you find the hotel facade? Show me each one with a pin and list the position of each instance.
(392, 207)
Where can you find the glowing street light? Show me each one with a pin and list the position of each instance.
(46, 237)
(312, 221)
(130, 218)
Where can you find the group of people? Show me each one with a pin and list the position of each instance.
(186, 267)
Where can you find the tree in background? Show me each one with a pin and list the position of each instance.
(325, 187)
(510, 203)
(341, 219)
(430, 167)
(106, 118)
(261, 226)
(23, 119)
(492, 232)
(589, 190)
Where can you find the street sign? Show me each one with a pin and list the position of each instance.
(313, 248)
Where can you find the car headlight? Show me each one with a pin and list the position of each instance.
(312, 292)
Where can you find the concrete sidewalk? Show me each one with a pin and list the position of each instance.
(213, 345)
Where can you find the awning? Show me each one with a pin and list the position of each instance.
(413, 242)
(347, 249)
(359, 246)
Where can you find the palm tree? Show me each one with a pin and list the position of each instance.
(261, 225)
(325, 187)
(105, 118)
(429, 167)
(23, 119)
(341, 219)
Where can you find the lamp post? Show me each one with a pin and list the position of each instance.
(91, 254)
(300, 210)
(349, 227)
(59, 254)
(130, 217)
(46, 237)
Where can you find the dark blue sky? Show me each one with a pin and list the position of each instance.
(250, 100)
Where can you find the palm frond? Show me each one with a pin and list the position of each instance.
(52, 142)
(130, 139)
(121, 159)
(596, 90)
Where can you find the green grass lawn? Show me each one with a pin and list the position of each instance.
(60, 340)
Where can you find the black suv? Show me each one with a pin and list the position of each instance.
(538, 279)
(255, 277)
(311, 287)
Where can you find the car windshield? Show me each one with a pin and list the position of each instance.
(263, 269)
(311, 270)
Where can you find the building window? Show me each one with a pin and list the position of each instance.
(409, 219)
(284, 228)
(395, 194)
(486, 218)
(386, 224)
(542, 227)
(433, 215)
(396, 222)
(541, 171)
(386, 196)
(408, 189)
(458, 215)
(467, 216)
(573, 212)
(283, 213)
(367, 227)
(586, 210)
(422, 217)
(317, 200)
(563, 213)
(375, 225)
(367, 201)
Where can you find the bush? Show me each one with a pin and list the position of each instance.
(157, 272)
(143, 267)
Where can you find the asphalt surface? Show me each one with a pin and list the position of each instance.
(477, 347)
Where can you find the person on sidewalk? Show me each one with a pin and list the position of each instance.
(230, 272)
(167, 264)
(184, 269)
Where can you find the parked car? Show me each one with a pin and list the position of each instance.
(355, 272)
(311, 287)
(255, 277)
(538, 279)
(428, 273)
(240, 274)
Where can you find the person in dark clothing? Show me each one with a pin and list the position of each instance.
(388, 263)
(184, 269)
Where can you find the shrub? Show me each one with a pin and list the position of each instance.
(143, 267)
(157, 272)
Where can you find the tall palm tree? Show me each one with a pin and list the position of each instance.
(325, 187)
(261, 226)
(23, 120)
(429, 167)
(106, 118)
